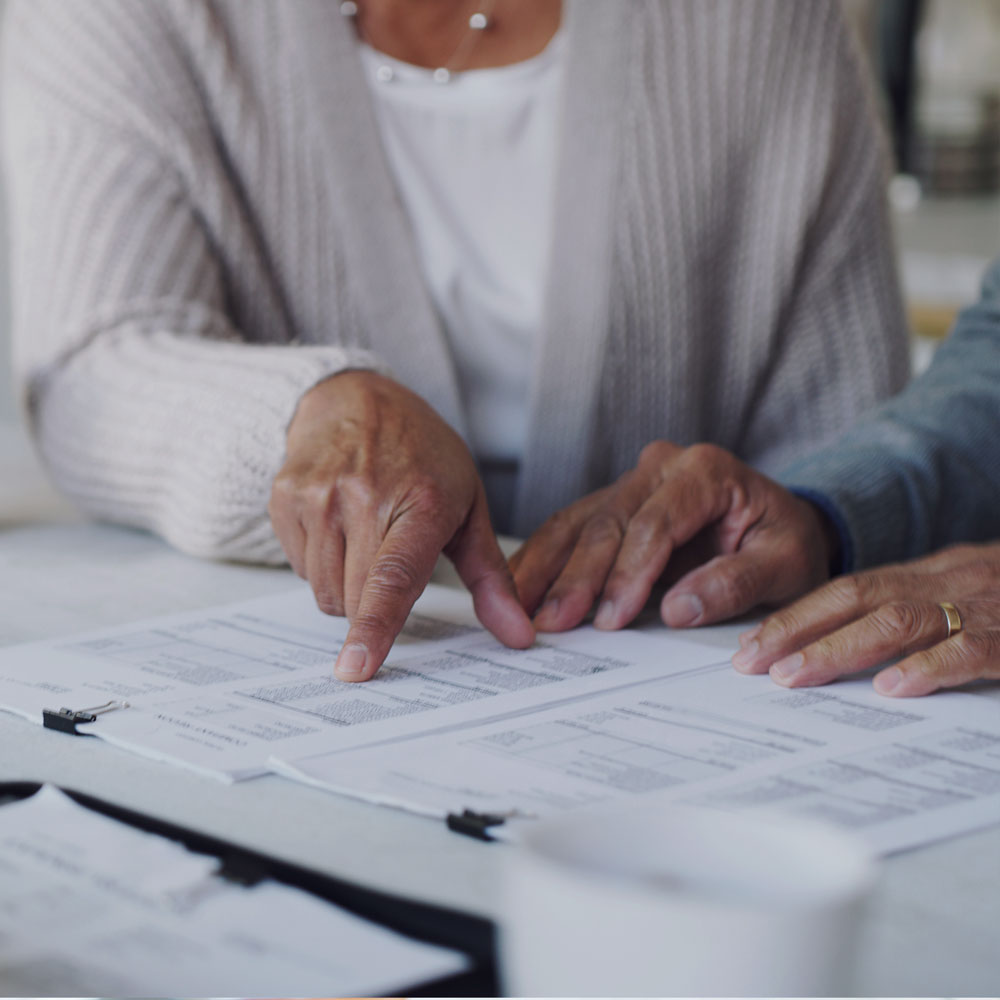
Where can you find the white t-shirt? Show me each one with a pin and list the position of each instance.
(474, 162)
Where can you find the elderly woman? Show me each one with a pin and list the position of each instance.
(338, 283)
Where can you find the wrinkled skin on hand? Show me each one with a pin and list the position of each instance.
(753, 541)
(867, 619)
(374, 488)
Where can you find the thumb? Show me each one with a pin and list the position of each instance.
(483, 569)
(722, 588)
(782, 557)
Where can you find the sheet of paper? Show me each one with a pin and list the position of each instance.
(900, 773)
(92, 907)
(223, 690)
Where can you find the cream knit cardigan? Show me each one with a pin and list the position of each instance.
(204, 226)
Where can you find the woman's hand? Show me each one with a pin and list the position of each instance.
(374, 488)
(756, 543)
(864, 620)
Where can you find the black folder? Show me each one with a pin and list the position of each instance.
(470, 934)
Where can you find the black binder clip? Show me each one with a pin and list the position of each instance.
(474, 824)
(67, 719)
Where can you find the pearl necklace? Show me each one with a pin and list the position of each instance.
(478, 22)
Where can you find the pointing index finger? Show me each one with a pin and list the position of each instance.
(398, 575)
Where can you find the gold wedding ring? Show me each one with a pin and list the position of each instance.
(952, 616)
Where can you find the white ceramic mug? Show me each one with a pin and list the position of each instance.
(670, 900)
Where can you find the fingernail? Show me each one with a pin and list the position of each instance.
(607, 615)
(744, 659)
(683, 609)
(786, 669)
(888, 680)
(351, 662)
(750, 635)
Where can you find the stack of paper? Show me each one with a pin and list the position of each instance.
(455, 721)
(226, 689)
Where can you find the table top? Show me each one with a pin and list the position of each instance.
(933, 925)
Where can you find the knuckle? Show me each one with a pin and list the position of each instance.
(313, 498)
(647, 527)
(355, 493)
(979, 574)
(283, 490)
(825, 649)
(964, 552)
(957, 660)
(430, 498)
(775, 632)
(991, 656)
(290, 496)
(394, 576)
(984, 576)
(656, 453)
(898, 620)
(365, 624)
(432, 512)
(781, 626)
(738, 588)
(975, 645)
(945, 558)
(707, 456)
(330, 602)
(374, 628)
(849, 592)
(602, 528)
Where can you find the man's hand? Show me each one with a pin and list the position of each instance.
(374, 488)
(867, 619)
(756, 544)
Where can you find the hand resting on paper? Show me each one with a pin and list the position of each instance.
(751, 540)
(867, 619)
(374, 488)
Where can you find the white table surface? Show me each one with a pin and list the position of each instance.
(934, 928)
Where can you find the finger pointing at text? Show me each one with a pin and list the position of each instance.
(374, 488)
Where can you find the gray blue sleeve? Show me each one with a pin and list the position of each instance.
(923, 469)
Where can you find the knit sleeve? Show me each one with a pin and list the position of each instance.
(923, 469)
(147, 403)
(841, 343)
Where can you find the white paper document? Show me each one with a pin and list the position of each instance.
(225, 689)
(898, 772)
(93, 907)
(456, 721)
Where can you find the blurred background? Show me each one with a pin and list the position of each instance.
(8, 408)
(937, 63)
